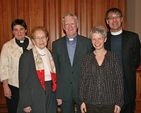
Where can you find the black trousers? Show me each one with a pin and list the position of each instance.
(128, 107)
(13, 102)
(51, 103)
(100, 108)
(68, 106)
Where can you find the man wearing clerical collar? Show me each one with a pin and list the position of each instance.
(68, 53)
(127, 46)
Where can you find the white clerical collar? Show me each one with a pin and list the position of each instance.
(71, 39)
(21, 41)
(117, 33)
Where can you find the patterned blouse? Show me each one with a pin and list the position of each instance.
(101, 85)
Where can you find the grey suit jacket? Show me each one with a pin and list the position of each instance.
(67, 75)
(30, 89)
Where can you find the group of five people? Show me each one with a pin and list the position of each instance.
(95, 74)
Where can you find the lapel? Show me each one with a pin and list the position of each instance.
(30, 45)
(124, 41)
(65, 51)
(78, 49)
(15, 49)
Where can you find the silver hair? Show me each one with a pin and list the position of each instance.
(70, 15)
(100, 30)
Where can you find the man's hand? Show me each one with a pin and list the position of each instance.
(27, 109)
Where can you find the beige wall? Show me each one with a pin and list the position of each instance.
(134, 16)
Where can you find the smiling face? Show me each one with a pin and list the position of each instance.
(98, 41)
(40, 39)
(19, 32)
(70, 26)
(114, 21)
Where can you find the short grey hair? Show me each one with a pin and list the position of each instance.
(100, 30)
(70, 15)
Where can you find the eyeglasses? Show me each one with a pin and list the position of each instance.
(38, 38)
(70, 24)
(115, 17)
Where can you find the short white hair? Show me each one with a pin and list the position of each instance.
(70, 15)
(98, 29)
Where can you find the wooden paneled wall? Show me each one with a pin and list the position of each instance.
(49, 13)
(138, 90)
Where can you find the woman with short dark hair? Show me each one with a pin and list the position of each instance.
(9, 63)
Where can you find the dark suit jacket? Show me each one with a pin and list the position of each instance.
(130, 59)
(67, 75)
(30, 89)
